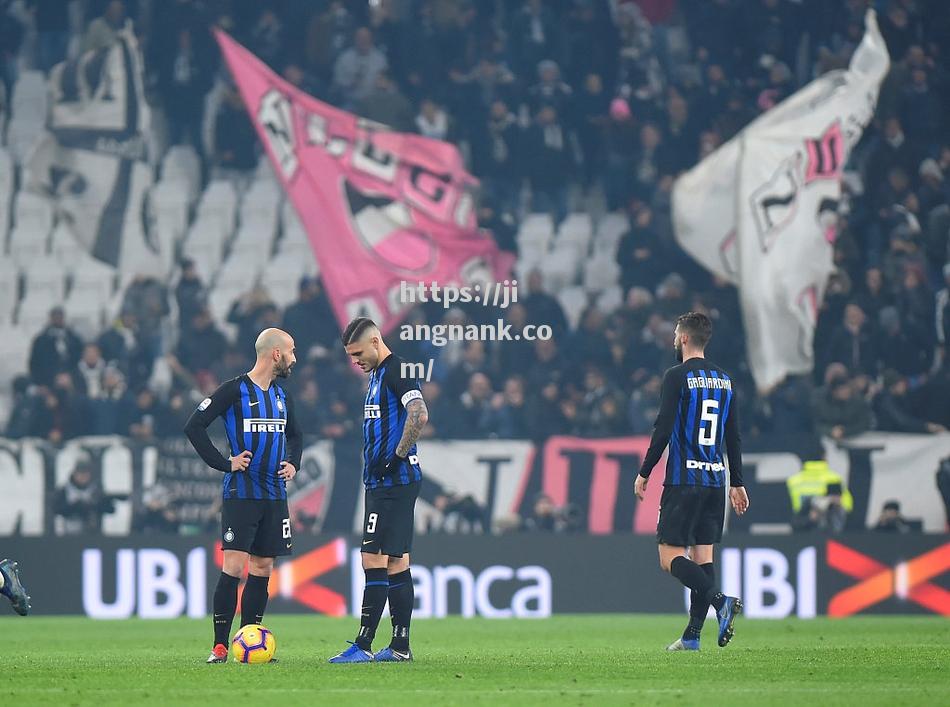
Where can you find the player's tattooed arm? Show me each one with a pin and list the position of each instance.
(417, 415)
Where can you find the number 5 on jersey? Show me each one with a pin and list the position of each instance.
(710, 415)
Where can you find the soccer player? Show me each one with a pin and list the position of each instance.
(394, 415)
(266, 445)
(697, 415)
(11, 588)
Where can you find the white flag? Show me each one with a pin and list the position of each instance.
(761, 210)
(93, 161)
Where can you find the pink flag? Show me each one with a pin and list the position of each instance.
(379, 207)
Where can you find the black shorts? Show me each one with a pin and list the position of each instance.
(389, 519)
(691, 515)
(259, 527)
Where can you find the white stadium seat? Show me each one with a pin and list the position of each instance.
(33, 211)
(610, 299)
(9, 291)
(573, 301)
(600, 273)
(45, 278)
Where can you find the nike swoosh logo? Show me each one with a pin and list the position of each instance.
(367, 542)
(289, 545)
(254, 403)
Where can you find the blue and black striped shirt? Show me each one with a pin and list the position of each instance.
(255, 420)
(384, 418)
(698, 419)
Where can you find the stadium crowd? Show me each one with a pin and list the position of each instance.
(556, 105)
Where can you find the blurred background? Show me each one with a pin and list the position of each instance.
(576, 116)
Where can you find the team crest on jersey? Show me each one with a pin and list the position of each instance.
(204, 404)
(229, 536)
(280, 405)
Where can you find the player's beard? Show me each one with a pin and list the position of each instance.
(679, 352)
(282, 369)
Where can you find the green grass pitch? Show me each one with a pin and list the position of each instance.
(573, 660)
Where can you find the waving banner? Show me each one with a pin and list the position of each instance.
(93, 161)
(379, 207)
(761, 210)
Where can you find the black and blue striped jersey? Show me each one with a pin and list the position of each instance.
(384, 417)
(255, 420)
(698, 419)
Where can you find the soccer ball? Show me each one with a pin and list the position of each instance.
(253, 644)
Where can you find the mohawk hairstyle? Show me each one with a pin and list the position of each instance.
(355, 329)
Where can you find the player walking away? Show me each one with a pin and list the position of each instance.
(697, 415)
(266, 445)
(393, 417)
(11, 588)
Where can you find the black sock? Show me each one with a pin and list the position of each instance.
(693, 576)
(224, 605)
(402, 597)
(698, 608)
(374, 600)
(254, 599)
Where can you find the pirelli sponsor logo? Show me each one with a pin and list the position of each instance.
(264, 424)
(371, 412)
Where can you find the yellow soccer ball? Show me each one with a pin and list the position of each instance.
(253, 644)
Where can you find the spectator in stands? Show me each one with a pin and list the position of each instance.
(122, 346)
(651, 162)
(644, 404)
(103, 30)
(600, 412)
(853, 343)
(891, 520)
(147, 299)
(473, 416)
(52, 32)
(542, 307)
(899, 350)
(873, 296)
(155, 515)
(55, 350)
(184, 77)
(510, 411)
(91, 371)
(190, 294)
(431, 120)
(534, 36)
(550, 158)
(356, 69)
(268, 38)
(78, 504)
(838, 411)
(552, 91)
(543, 515)
(616, 140)
(385, 104)
(202, 344)
(310, 320)
(474, 360)
(250, 313)
(893, 409)
(942, 318)
(818, 496)
(500, 225)
(235, 142)
(145, 418)
(106, 410)
(496, 154)
(639, 255)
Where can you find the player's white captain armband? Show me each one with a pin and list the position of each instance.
(411, 395)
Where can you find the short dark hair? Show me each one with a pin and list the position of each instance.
(354, 330)
(697, 326)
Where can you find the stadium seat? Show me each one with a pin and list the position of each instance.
(16, 353)
(560, 270)
(33, 313)
(610, 230)
(85, 312)
(64, 247)
(576, 230)
(610, 299)
(33, 211)
(168, 208)
(218, 204)
(6, 193)
(45, 278)
(9, 291)
(600, 273)
(26, 245)
(181, 164)
(573, 301)
(93, 280)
